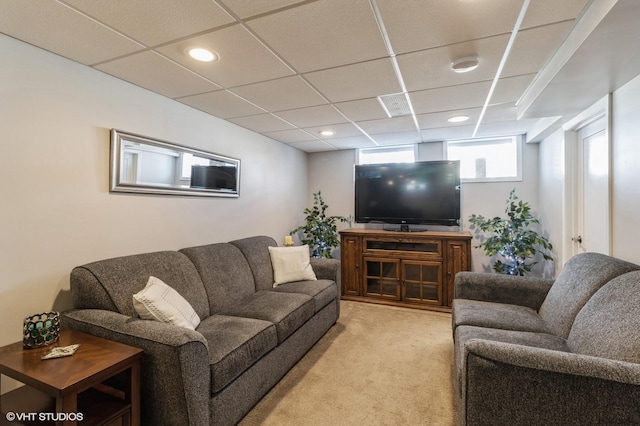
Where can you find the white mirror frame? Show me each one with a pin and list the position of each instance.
(127, 167)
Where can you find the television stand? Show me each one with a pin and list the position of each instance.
(415, 270)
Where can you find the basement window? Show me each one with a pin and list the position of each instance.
(390, 154)
(487, 160)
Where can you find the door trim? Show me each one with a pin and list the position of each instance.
(601, 109)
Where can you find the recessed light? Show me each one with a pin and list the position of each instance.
(203, 55)
(458, 119)
(466, 64)
(327, 133)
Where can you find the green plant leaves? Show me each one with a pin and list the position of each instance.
(320, 231)
(512, 238)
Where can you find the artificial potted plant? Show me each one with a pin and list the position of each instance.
(512, 238)
(319, 231)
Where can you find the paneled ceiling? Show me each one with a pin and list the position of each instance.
(291, 69)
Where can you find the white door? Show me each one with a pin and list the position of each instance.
(593, 203)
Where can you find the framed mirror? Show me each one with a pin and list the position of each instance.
(144, 165)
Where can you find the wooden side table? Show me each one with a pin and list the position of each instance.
(70, 390)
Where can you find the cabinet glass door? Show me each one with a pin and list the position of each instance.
(382, 278)
(421, 282)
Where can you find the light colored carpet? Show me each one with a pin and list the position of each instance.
(379, 365)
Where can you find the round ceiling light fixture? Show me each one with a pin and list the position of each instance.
(203, 55)
(466, 64)
(458, 119)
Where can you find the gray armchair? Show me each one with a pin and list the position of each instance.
(534, 351)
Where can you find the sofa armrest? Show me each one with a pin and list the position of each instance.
(505, 383)
(326, 269)
(498, 288)
(175, 365)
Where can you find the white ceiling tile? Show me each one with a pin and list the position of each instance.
(509, 89)
(282, 94)
(323, 34)
(440, 119)
(295, 67)
(398, 138)
(313, 146)
(156, 73)
(447, 133)
(153, 22)
(59, 29)
(388, 125)
(504, 128)
(357, 81)
(352, 142)
(262, 123)
(494, 113)
(418, 25)
(541, 12)
(313, 116)
(341, 130)
(362, 109)
(427, 69)
(243, 59)
(534, 47)
(291, 136)
(248, 8)
(450, 98)
(222, 104)
(500, 112)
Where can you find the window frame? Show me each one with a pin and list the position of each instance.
(516, 138)
(414, 148)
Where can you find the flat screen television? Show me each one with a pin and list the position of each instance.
(221, 178)
(425, 193)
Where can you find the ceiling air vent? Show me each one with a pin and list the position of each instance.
(395, 105)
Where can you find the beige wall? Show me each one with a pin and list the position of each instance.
(332, 173)
(56, 210)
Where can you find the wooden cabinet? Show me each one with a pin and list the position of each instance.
(413, 269)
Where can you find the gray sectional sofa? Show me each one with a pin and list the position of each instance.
(531, 351)
(249, 336)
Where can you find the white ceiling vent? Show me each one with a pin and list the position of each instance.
(395, 105)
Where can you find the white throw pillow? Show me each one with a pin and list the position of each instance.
(291, 264)
(157, 301)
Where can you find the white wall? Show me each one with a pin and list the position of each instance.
(332, 173)
(626, 171)
(552, 185)
(555, 175)
(56, 210)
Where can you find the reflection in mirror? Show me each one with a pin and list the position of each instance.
(140, 164)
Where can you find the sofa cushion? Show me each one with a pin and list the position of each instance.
(256, 251)
(322, 291)
(235, 343)
(110, 284)
(225, 273)
(287, 311)
(291, 264)
(538, 340)
(465, 333)
(609, 324)
(579, 279)
(159, 302)
(496, 315)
